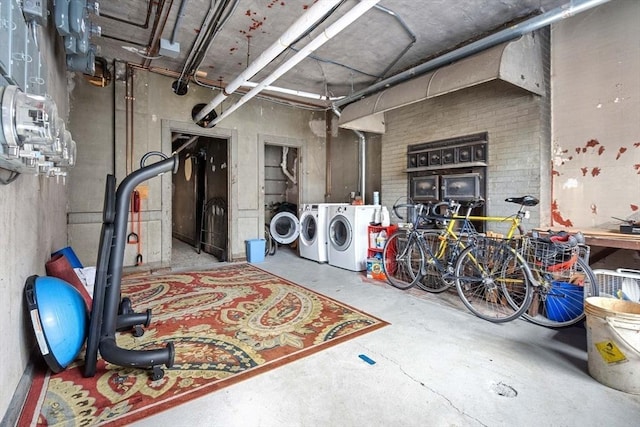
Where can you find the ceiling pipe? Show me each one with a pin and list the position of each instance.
(313, 14)
(330, 32)
(176, 25)
(570, 9)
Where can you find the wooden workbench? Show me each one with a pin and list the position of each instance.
(609, 240)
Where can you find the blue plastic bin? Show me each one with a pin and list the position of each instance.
(564, 302)
(70, 255)
(255, 250)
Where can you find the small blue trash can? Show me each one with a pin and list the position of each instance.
(255, 250)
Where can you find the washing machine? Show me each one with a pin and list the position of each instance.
(309, 227)
(348, 236)
(312, 243)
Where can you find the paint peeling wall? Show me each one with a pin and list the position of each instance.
(596, 117)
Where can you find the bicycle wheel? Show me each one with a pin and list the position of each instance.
(491, 279)
(558, 301)
(401, 259)
(436, 253)
(270, 246)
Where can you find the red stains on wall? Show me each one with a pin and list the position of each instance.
(595, 171)
(556, 216)
(592, 143)
(584, 171)
(600, 150)
(621, 151)
(637, 168)
(634, 207)
(636, 144)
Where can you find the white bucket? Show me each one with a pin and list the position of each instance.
(613, 342)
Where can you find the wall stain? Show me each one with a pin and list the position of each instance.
(621, 151)
(584, 171)
(595, 171)
(594, 209)
(634, 208)
(557, 216)
(637, 168)
(601, 150)
(636, 144)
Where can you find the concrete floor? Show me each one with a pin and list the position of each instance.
(436, 365)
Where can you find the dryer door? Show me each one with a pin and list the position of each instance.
(284, 228)
(309, 228)
(340, 233)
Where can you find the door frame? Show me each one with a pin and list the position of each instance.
(298, 144)
(231, 136)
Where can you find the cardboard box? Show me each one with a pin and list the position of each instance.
(375, 270)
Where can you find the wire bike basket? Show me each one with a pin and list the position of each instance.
(548, 257)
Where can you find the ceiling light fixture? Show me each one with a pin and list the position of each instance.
(294, 92)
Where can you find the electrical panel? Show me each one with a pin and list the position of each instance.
(33, 139)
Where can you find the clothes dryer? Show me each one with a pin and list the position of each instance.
(348, 236)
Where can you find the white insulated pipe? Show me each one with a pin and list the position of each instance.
(331, 31)
(306, 21)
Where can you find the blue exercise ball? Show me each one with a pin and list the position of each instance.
(59, 318)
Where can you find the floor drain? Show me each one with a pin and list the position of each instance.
(504, 390)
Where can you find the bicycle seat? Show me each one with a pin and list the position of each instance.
(524, 200)
(474, 203)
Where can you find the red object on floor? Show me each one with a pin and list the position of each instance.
(59, 266)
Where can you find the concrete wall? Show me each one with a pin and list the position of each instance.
(596, 116)
(157, 113)
(596, 122)
(32, 225)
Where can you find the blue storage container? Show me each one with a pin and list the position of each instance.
(255, 250)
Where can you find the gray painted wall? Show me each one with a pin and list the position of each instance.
(158, 112)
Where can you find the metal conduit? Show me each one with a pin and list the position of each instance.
(313, 14)
(330, 32)
(570, 9)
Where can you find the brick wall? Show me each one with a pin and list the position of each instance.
(518, 140)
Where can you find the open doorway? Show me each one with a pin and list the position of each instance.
(281, 193)
(200, 196)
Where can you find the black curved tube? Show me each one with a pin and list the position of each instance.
(136, 358)
(108, 347)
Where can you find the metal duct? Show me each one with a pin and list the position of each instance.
(570, 9)
(518, 62)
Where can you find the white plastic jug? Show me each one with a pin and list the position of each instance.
(385, 219)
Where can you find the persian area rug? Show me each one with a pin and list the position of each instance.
(227, 324)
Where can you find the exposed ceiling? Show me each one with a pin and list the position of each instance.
(219, 38)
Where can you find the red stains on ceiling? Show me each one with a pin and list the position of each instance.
(634, 207)
(274, 3)
(256, 22)
(621, 151)
(556, 216)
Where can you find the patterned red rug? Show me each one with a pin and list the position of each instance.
(227, 324)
